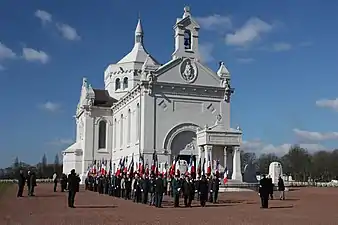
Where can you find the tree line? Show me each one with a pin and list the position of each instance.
(43, 169)
(320, 166)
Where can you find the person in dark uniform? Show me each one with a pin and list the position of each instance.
(128, 187)
(197, 183)
(32, 183)
(281, 188)
(137, 189)
(21, 184)
(28, 182)
(215, 188)
(176, 187)
(152, 181)
(55, 180)
(73, 187)
(187, 189)
(271, 187)
(264, 191)
(203, 188)
(100, 185)
(145, 189)
(159, 191)
(63, 182)
(210, 190)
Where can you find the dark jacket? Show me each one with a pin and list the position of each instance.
(21, 180)
(159, 186)
(73, 183)
(281, 186)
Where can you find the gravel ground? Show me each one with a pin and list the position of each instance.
(303, 206)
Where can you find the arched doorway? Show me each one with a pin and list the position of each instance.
(184, 145)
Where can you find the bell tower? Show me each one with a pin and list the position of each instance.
(186, 37)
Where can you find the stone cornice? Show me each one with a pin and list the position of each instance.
(126, 98)
(188, 90)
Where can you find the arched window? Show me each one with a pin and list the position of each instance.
(187, 39)
(121, 131)
(125, 82)
(115, 129)
(102, 134)
(138, 121)
(129, 126)
(117, 84)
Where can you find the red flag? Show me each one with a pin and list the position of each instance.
(209, 165)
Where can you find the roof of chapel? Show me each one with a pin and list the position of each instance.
(103, 99)
(138, 54)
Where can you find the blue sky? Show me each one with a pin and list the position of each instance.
(282, 56)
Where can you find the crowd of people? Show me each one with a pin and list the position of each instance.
(150, 188)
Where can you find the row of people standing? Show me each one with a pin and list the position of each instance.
(151, 189)
(30, 180)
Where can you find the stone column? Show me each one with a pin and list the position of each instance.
(200, 156)
(225, 152)
(207, 153)
(236, 165)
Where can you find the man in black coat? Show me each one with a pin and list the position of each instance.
(73, 187)
(264, 191)
(187, 189)
(203, 188)
(159, 191)
(21, 184)
(145, 189)
(63, 182)
(32, 183)
(271, 187)
(215, 188)
(281, 188)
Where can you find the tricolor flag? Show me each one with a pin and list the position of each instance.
(209, 165)
(131, 166)
(199, 167)
(125, 165)
(217, 168)
(172, 168)
(147, 168)
(225, 176)
(203, 167)
(141, 165)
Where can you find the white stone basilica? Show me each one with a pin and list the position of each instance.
(178, 108)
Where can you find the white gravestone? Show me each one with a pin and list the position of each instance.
(275, 171)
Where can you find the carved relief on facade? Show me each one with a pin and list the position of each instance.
(188, 70)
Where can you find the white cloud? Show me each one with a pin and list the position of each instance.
(214, 22)
(315, 136)
(328, 103)
(44, 16)
(245, 60)
(50, 106)
(61, 141)
(33, 55)
(260, 147)
(6, 53)
(205, 50)
(282, 46)
(68, 32)
(251, 31)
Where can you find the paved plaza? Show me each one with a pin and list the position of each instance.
(303, 206)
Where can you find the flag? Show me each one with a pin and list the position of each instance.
(199, 167)
(203, 168)
(141, 165)
(177, 168)
(225, 176)
(153, 166)
(147, 168)
(131, 166)
(119, 168)
(209, 165)
(217, 168)
(193, 172)
(189, 166)
(125, 165)
(172, 168)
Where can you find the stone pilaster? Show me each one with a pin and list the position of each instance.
(236, 165)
